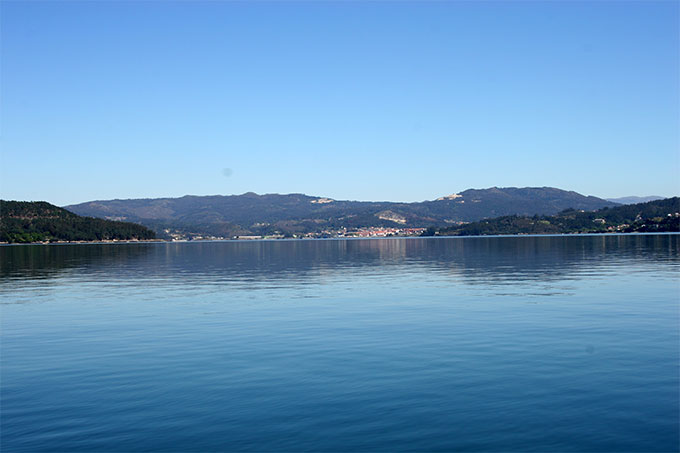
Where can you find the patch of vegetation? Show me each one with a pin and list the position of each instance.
(654, 216)
(26, 222)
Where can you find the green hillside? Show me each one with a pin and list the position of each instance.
(25, 222)
(653, 216)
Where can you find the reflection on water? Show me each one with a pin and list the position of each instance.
(494, 258)
(474, 344)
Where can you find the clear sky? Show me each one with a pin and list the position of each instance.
(369, 101)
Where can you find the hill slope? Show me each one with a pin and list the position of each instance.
(264, 214)
(653, 216)
(23, 221)
(634, 199)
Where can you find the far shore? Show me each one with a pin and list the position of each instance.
(164, 241)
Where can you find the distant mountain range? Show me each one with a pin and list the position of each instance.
(250, 213)
(634, 200)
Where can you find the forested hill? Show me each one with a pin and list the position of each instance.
(654, 216)
(39, 221)
(251, 213)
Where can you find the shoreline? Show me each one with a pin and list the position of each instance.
(204, 241)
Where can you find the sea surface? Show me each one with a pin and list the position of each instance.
(426, 344)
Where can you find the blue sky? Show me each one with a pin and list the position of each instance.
(369, 101)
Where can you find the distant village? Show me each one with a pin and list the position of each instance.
(369, 232)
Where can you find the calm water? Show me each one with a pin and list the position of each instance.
(468, 344)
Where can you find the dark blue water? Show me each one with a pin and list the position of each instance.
(466, 344)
